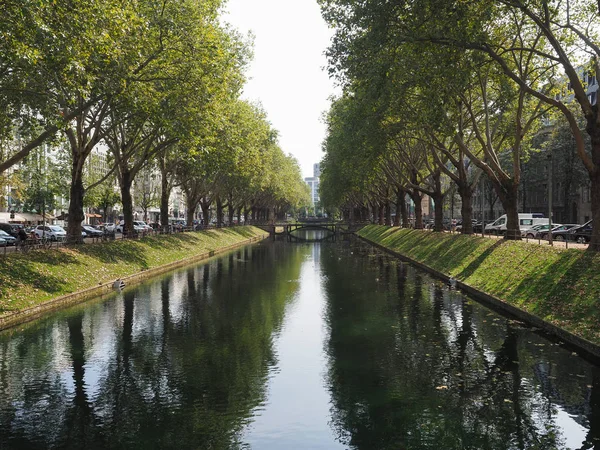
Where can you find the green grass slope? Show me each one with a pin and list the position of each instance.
(28, 280)
(559, 286)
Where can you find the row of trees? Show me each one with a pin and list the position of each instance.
(156, 84)
(442, 92)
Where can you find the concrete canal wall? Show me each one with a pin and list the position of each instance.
(36, 283)
(555, 290)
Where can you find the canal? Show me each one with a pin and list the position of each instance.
(330, 345)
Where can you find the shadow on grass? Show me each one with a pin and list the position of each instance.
(172, 241)
(478, 261)
(129, 252)
(569, 287)
(27, 271)
(443, 252)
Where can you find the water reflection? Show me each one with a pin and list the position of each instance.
(414, 365)
(300, 346)
(311, 235)
(177, 363)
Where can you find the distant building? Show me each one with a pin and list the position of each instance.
(313, 184)
(317, 170)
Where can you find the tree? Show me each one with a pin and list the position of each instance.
(549, 52)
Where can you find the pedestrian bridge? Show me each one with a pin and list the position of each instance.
(332, 230)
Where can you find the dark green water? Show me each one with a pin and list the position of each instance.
(292, 346)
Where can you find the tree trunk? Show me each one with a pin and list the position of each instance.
(165, 192)
(77, 191)
(381, 212)
(508, 192)
(231, 211)
(401, 209)
(127, 201)
(466, 209)
(416, 198)
(388, 214)
(205, 212)
(399, 201)
(219, 212)
(438, 200)
(190, 205)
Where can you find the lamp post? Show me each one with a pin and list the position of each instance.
(549, 156)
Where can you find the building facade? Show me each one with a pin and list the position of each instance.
(313, 183)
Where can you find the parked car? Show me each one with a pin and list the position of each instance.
(143, 225)
(560, 233)
(137, 228)
(108, 227)
(91, 231)
(10, 228)
(7, 238)
(3, 243)
(52, 232)
(459, 225)
(477, 227)
(526, 221)
(537, 230)
(581, 234)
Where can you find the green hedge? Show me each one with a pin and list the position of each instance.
(30, 279)
(559, 286)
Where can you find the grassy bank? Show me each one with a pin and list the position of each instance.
(31, 279)
(559, 286)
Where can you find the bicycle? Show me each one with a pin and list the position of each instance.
(25, 245)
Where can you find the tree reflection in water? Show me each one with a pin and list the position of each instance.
(183, 362)
(414, 365)
(177, 363)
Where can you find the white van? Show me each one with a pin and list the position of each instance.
(526, 221)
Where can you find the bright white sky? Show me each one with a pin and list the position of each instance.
(287, 75)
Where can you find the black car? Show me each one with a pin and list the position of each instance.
(91, 231)
(10, 228)
(581, 234)
(561, 233)
(459, 225)
(477, 226)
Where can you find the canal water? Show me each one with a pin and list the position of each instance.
(330, 345)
